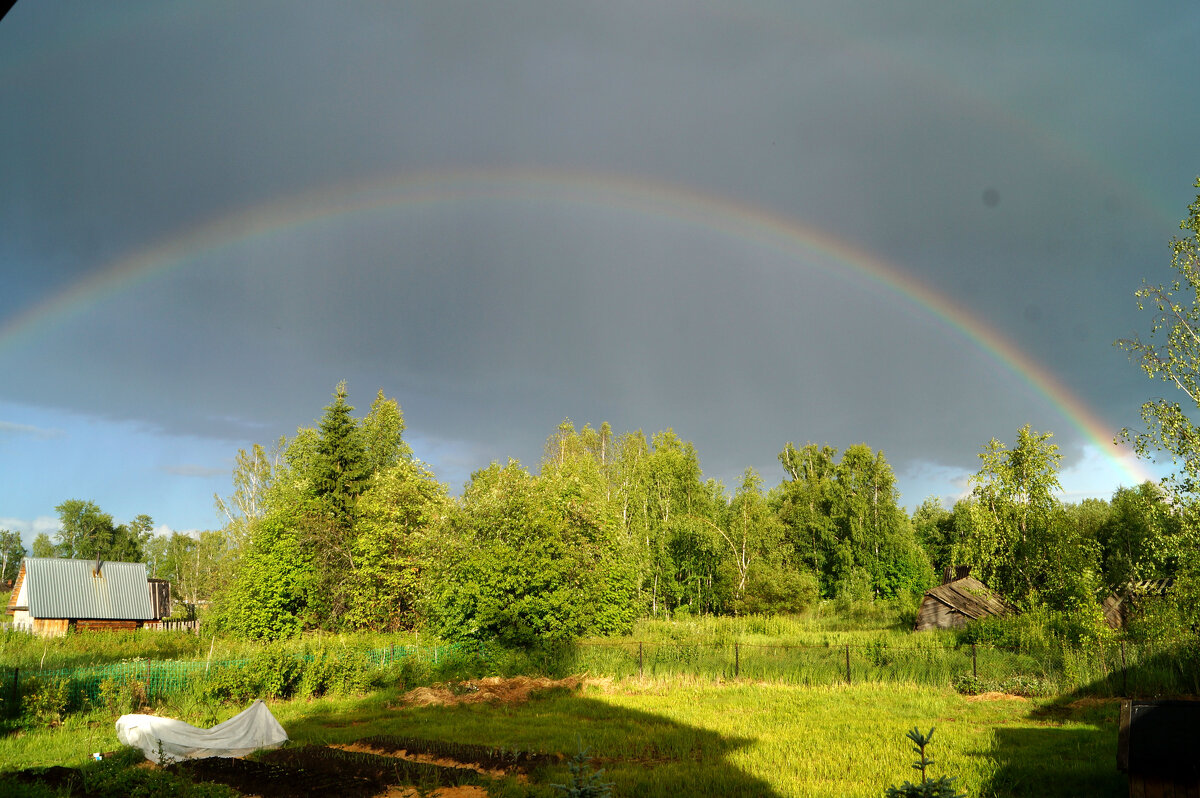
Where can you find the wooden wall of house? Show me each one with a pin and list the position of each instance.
(50, 627)
(160, 598)
(935, 614)
(106, 625)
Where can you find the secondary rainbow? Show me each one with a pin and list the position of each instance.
(752, 224)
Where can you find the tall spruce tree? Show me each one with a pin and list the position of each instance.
(339, 470)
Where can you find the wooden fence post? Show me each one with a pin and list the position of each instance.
(847, 663)
(641, 662)
(737, 661)
(1124, 672)
(974, 664)
(16, 691)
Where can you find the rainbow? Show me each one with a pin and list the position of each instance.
(752, 224)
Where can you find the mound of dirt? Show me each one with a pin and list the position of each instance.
(995, 697)
(493, 689)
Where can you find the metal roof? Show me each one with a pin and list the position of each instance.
(69, 589)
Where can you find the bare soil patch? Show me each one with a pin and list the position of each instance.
(444, 792)
(428, 759)
(493, 689)
(995, 696)
(314, 771)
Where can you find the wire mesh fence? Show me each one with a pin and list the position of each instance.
(156, 679)
(1112, 668)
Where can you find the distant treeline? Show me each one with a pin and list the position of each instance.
(340, 528)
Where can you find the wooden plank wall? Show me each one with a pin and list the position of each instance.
(936, 615)
(106, 625)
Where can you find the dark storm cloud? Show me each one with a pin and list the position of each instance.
(1016, 160)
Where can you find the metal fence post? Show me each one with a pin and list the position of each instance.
(974, 664)
(737, 661)
(641, 664)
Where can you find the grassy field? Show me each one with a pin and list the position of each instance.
(664, 714)
(681, 737)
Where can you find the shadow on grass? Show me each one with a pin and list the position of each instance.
(1082, 743)
(642, 754)
(1055, 761)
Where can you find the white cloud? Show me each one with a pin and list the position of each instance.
(31, 529)
(12, 428)
(165, 531)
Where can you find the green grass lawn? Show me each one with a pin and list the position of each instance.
(690, 737)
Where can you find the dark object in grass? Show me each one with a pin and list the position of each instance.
(941, 788)
(1157, 744)
(483, 756)
(311, 771)
(56, 777)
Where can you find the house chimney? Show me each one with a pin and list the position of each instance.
(96, 570)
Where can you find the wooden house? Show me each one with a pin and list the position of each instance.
(1118, 604)
(53, 595)
(956, 602)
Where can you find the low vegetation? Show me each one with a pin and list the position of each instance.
(667, 737)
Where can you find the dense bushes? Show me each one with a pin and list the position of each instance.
(532, 561)
(1037, 629)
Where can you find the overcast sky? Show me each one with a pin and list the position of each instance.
(751, 222)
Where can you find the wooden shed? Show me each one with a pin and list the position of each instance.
(53, 595)
(1118, 604)
(956, 602)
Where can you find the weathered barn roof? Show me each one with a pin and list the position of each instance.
(970, 597)
(56, 588)
(1116, 605)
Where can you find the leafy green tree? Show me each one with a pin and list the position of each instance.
(934, 528)
(1023, 543)
(844, 519)
(42, 546)
(805, 506)
(253, 480)
(1144, 537)
(751, 530)
(11, 552)
(397, 538)
(192, 562)
(86, 532)
(298, 511)
(533, 560)
(666, 512)
(1172, 355)
(271, 595)
(380, 434)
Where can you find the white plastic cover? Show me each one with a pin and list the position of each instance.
(165, 740)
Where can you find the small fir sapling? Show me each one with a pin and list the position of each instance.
(941, 788)
(585, 779)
